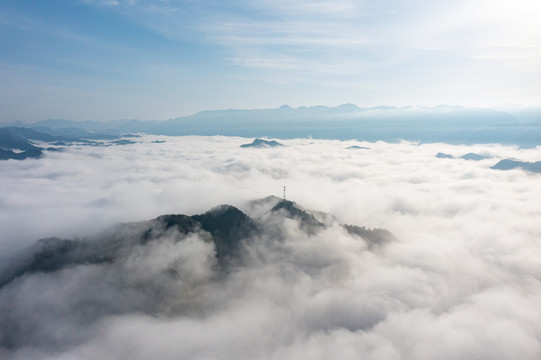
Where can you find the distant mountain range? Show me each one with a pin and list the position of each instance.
(450, 124)
(227, 227)
(17, 143)
(21, 143)
(505, 164)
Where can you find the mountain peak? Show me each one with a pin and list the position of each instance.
(292, 211)
(227, 227)
(261, 143)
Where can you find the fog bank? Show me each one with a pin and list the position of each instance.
(460, 281)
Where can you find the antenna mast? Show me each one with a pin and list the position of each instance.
(284, 192)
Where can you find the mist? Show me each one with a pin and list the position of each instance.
(461, 279)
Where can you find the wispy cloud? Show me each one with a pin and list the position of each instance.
(267, 53)
(327, 32)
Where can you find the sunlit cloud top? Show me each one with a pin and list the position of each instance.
(148, 59)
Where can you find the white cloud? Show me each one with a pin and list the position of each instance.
(462, 279)
(451, 51)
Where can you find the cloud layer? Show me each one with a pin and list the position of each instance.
(461, 281)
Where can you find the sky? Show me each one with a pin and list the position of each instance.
(461, 279)
(154, 60)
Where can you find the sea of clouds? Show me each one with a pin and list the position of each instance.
(462, 280)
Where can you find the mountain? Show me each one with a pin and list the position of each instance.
(441, 155)
(21, 143)
(509, 164)
(307, 221)
(228, 226)
(260, 143)
(506, 164)
(20, 138)
(439, 124)
(475, 157)
(229, 229)
(16, 143)
(468, 156)
(450, 124)
(35, 153)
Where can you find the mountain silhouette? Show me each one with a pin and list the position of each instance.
(474, 156)
(306, 220)
(450, 124)
(227, 227)
(441, 155)
(18, 142)
(508, 164)
(260, 143)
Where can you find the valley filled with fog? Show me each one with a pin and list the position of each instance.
(460, 279)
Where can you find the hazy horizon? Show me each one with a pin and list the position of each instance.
(510, 108)
(117, 59)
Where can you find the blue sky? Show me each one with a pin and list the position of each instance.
(107, 59)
